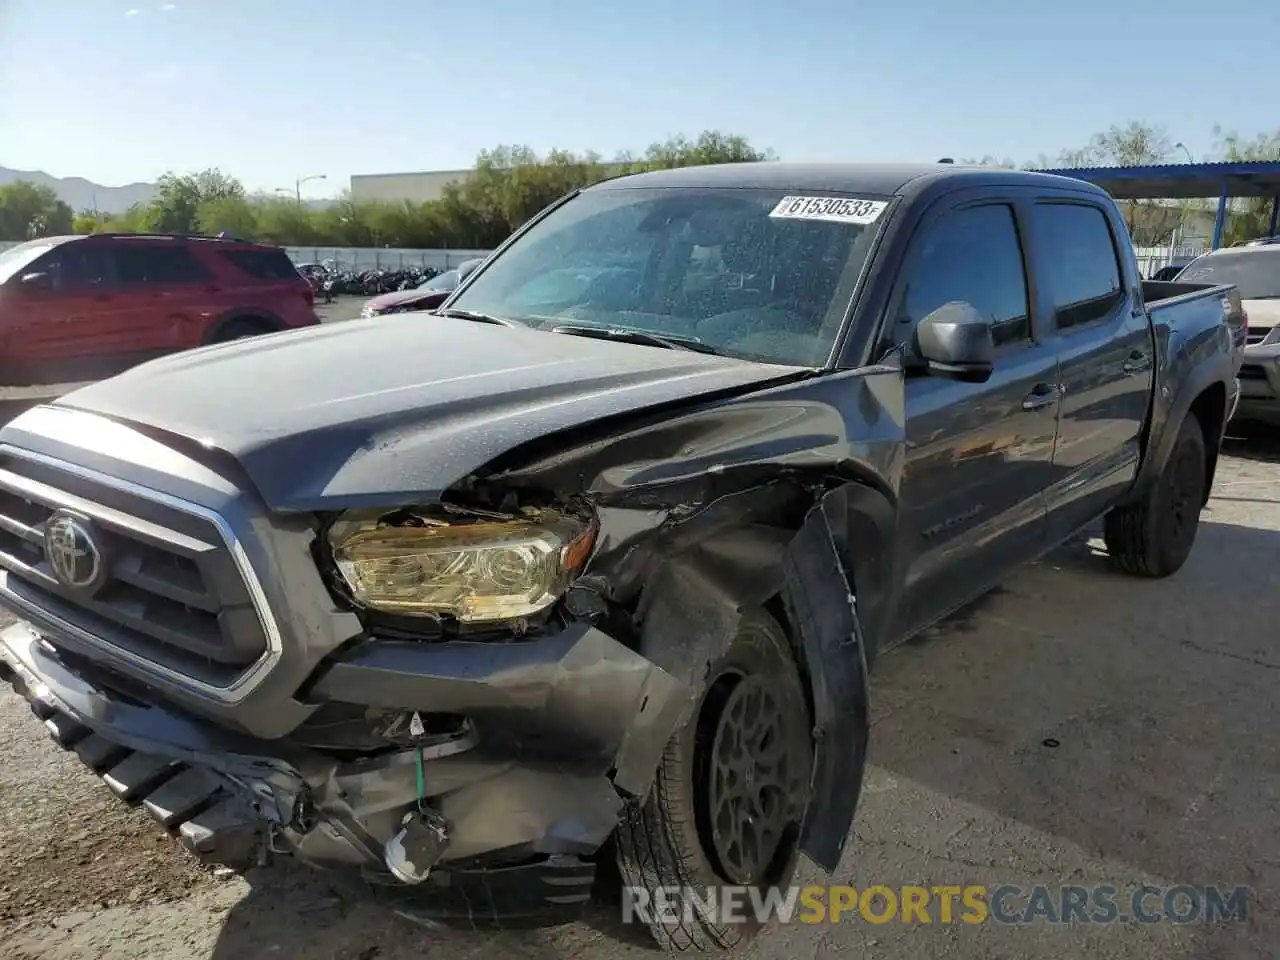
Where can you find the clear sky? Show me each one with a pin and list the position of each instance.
(271, 90)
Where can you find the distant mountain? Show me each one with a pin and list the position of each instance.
(81, 194)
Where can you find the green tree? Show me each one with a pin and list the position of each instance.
(1151, 222)
(91, 221)
(987, 160)
(1250, 217)
(235, 214)
(28, 211)
(711, 147)
(179, 198)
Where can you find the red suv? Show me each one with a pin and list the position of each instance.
(77, 309)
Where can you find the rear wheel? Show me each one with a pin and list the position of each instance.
(240, 329)
(1153, 536)
(729, 798)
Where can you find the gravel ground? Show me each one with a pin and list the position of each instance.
(1075, 727)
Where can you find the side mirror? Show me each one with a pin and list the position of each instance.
(955, 342)
(37, 281)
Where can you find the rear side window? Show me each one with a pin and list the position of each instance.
(1083, 270)
(972, 256)
(262, 264)
(147, 263)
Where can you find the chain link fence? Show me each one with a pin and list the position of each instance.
(381, 258)
(1153, 259)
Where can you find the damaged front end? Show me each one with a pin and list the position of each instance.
(484, 684)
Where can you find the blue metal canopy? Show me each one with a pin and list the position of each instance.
(1182, 181)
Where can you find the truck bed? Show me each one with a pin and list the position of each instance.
(1192, 307)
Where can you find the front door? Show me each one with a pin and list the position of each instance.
(59, 330)
(979, 455)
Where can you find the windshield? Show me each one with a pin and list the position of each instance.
(1256, 273)
(740, 270)
(445, 281)
(15, 259)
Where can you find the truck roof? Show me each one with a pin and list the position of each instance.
(885, 179)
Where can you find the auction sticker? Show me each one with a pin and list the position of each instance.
(830, 209)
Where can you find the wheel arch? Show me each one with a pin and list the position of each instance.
(824, 574)
(1203, 395)
(1210, 407)
(268, 320)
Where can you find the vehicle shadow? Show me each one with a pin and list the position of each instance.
(1134, 722)
(300, 914)
(1253, 442)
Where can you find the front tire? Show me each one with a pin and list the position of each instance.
(730, 795)
(1153, 536)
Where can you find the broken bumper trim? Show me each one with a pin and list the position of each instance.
(576, 696)
(221, 792)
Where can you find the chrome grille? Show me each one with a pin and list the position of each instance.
(1256, 335)
(173, 594)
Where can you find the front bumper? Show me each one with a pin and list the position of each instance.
(1260, 384)
(530, 788)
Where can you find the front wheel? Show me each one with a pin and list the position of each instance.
(1153, 536)
(729, 799)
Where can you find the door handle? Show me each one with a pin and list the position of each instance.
(1136, 362)
(1043, 395)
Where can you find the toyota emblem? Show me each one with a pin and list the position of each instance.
(72, 549)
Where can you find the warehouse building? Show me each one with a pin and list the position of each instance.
(416, 187)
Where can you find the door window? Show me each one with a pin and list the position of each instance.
(971, 256)
(82, 266)
(156, 265)
(1080, 263)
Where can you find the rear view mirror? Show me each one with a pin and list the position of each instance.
(955, 342)
(37, 281)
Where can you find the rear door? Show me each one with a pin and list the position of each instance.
(979, 455)
(1104, 343)
(171, 293)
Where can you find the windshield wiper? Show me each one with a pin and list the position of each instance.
(476, 316)
(642, 337)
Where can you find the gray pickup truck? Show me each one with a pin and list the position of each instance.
(590, 568)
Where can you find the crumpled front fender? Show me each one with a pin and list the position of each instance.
(823, 610)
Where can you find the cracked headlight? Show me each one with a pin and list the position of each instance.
(475, 572)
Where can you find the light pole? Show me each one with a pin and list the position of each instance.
(297, 184)
(1176, 238)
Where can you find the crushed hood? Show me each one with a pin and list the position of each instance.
(395, 410)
